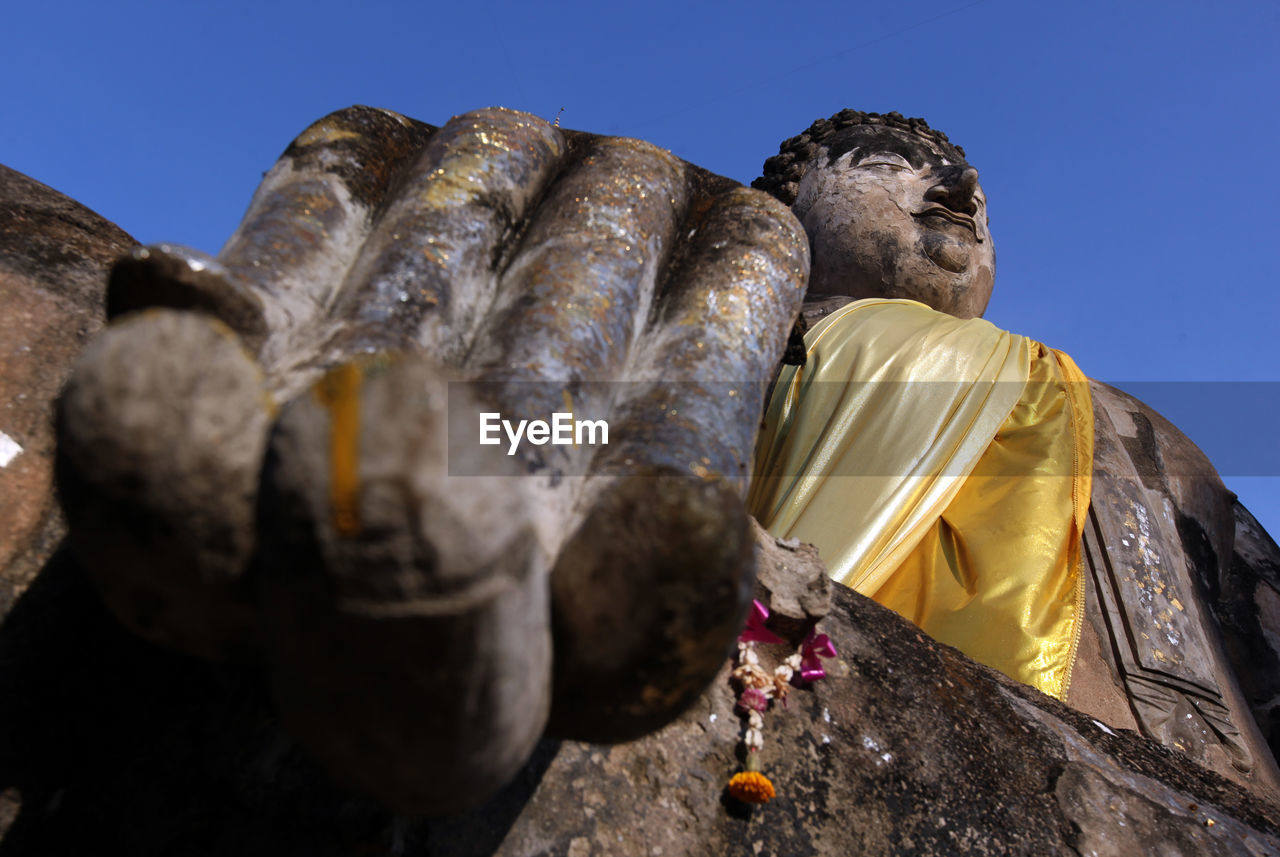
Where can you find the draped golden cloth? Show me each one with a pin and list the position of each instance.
(941, 466)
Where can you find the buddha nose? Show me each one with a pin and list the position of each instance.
(955, 189)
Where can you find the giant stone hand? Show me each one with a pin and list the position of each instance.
(272, 454)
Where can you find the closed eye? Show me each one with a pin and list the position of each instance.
(885, 159)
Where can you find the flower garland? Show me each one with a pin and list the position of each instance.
(758, 688)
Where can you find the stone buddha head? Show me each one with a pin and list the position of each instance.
(892, 209)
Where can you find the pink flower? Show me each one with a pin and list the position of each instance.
(815, 646)
(755, 630)
(753, 699)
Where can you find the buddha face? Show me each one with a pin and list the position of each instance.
(889, 216)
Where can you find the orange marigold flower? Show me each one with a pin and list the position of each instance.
(751, 787)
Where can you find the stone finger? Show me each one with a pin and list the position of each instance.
(649, 593)
(160, 434)
(713, 346)
(428, 273)
(308, 222)
(651, 589)
(406, 611)
(166, 275)
(574, 299)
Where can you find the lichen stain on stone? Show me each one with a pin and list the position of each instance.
(339, 392)
(325, 131)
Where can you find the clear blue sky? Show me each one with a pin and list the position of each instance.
(1125, 147)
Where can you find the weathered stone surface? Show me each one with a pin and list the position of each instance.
(1157, 548)
(914, 750)
(569, 275)
(54, 254)
(1246, 601)
(627, 664)
(420, 640)
(110, 745)
(181, 278)
(793, 582)
(168, 388)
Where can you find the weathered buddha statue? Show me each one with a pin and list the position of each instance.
(976, 481)
(276, 453)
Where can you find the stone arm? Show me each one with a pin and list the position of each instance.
(269, 454)
(1159, 549)
(1247, 605)
(53, 252)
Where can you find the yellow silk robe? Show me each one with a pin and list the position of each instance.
(941, 466)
